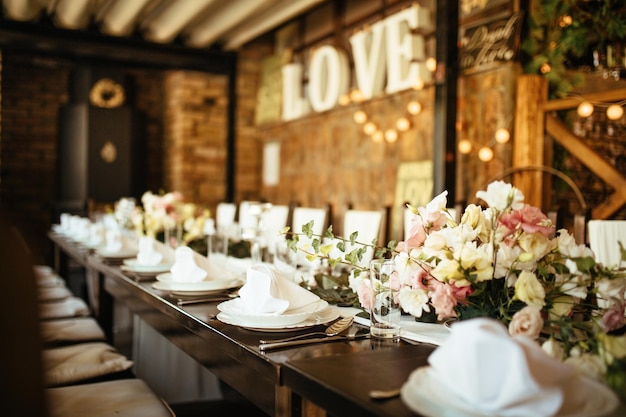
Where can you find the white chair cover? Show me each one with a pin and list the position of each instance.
(302, 216)
(603, 238)
(225, 215)
(369, 225)
(272, 222)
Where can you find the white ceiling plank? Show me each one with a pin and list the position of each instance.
(264, 22)
(73, 14)
(22, 10)
(171, 21)
(205, 32)
(121, 18)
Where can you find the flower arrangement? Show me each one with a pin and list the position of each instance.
(505, 261)
(170, 215)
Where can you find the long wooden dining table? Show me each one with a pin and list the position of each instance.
(331, 378)
(326, 379)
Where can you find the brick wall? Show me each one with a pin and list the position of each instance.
(33, 90)
(195, 134)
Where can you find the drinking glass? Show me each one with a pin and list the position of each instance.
(285, 259)
(384, 308)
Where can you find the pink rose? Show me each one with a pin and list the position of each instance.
(443, 300)
(527, 322)
(613, 317)
(416, 238)
(530, 219)
(365, 295)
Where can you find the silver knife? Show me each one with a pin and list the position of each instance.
(278, 345)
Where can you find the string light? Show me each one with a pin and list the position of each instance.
(502, 135)
(369, 128)
(391, 135)
(465, 146)
(614, 112)
(360, 117)
(414, 108)
(403, 124)
(377, 136)
(485, 154)
(585, 109)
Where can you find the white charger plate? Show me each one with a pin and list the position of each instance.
(133, 265)
(424, 394)
(262, 320)
(324, 316)
(165, 283)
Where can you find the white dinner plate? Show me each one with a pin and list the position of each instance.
(263, 320)
(165, 283)
(123, 254)
(324, 316)
(132, 265)
(424, 394)
(164, 286)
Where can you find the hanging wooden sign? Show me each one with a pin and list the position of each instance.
(496, 41)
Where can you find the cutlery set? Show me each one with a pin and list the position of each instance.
(334, 332)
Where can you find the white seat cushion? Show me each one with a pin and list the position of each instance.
(69, 307)
(78, 329)
(76, 363)
(124, 397)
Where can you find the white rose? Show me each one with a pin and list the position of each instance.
(438, 203)
(529, 290)
(526, 322)
(553, 348)
(587, 364)
(501, 195)
(414, 301)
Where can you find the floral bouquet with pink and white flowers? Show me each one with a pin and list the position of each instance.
(170, 215)
(507, 262)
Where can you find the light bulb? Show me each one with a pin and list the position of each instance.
(377, 136)
(585, 109)
(502, 135)
(403, 124)
(391, 135)
(356, 95)
(465, 146)
(485, 154)
(431, 64)
(360, 117)
(414, 107)
(614, 112)
(418, 84)
(369, 128)
(344, 99)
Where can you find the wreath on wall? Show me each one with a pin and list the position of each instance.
(107, 94)
(563, 35)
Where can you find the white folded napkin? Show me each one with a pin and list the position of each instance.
(96, 234)
(185, 268)
(114, 242)
(497, 374)
(147, 254)
(267, 292)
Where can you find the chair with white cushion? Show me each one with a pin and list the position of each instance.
(604, 236)
(370, 225)
(304, 215)
(272, 222)
(126, 397)
(225, 214)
